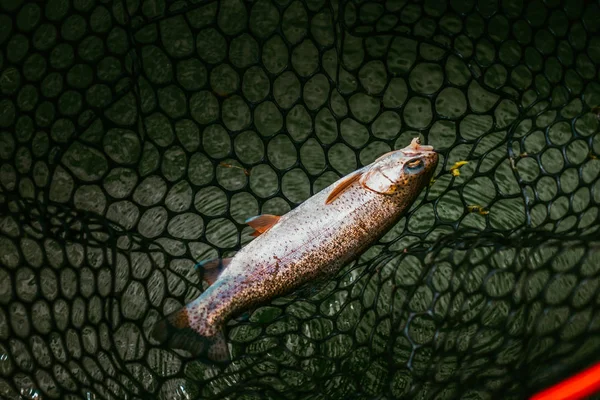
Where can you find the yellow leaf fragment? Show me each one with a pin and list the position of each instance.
(477, 209)
(455, 168)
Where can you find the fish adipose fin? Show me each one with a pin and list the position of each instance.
(343, 185)
(262, 223)
(209, 270)
(175, 332)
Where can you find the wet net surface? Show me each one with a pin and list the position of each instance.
(136, 137)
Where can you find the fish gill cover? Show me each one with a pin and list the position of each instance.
(136, 137)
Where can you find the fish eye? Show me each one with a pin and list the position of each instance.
(414, 164)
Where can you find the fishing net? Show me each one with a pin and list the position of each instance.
(137, 136)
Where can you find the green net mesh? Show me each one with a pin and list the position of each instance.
(137, 136)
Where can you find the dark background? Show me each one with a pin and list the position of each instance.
(137, 136)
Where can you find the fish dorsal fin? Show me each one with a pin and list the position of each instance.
(342, 185)
(262, 223)
(210, 270)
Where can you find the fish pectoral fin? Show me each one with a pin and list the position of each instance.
(174, 331)
(342, 185)
(209, 270)
(262, 223)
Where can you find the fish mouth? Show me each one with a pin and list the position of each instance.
(415, 147)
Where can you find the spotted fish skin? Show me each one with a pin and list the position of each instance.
(315, 239)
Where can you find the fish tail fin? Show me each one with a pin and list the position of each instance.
(175, 331)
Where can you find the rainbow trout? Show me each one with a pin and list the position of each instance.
(312, 241)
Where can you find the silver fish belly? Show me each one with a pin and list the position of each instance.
(312, 241)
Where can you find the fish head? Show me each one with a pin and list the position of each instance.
(407, 169)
